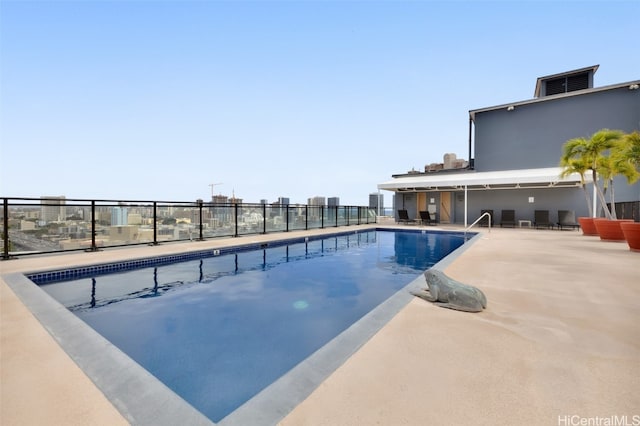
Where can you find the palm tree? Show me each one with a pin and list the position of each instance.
(582, 152)
(631, 151)
(579, 166)
(619, 162)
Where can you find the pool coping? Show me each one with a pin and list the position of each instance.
(142, 399)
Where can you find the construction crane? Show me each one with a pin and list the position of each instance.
(212, 185)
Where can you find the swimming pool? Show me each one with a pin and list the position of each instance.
(219, 329)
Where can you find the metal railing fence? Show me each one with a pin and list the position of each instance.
(49, 225)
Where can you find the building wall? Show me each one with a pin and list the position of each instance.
(123, 233)
(27, 225)
(532, 135)
(406, 201)
(134, 219)
(498, 200)
(518, 200)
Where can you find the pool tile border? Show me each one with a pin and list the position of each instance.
(58, 275)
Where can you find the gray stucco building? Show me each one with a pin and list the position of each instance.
(515, 149)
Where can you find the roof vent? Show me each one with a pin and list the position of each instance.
(569, 81)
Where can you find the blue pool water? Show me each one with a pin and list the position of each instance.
(218, 330)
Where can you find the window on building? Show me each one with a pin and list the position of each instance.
(567, 84)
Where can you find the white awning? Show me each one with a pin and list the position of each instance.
(504, 179)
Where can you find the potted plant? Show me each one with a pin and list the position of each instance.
(616, 163)
(622, 160)
(580, 155)
(631, 232)
(630, 153)
(610, 229)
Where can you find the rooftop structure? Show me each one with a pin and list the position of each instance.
(518, 146)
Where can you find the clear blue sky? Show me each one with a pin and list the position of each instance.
(150, 100)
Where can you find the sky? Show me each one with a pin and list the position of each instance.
(157, 100)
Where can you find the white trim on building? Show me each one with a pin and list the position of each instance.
(503, 179)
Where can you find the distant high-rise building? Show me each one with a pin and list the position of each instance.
(119, 216)
(219, 214)
(264, 201)
(53, 208)
(449, 160)
(278, 207)
(316, 201)
(333, 201)
(219, 199)
(376, 202)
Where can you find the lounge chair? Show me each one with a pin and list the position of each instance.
(508, 218)
(403, 217)
(425, 218)
(541, 219)
(567, 219)
(485, 220)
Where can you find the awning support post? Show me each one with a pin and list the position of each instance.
(465, 207)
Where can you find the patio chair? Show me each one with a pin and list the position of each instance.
(425, 218)
(508, 218)
(485, 220)
(567, 219)
(541, 219)
(403, 217)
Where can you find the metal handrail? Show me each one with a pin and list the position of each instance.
(479, 219)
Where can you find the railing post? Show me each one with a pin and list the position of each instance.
(264, 218)
(155, 223)
(201, 238)
(5, 228)
(322, 217)
(306, 217)
(286, 217)
(93, 227)
(235, 213)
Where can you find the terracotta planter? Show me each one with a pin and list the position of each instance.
(609, 229)
(631, 231)
(587, 226)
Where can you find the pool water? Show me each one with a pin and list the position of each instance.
(220, 329)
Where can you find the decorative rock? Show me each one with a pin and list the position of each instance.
(449, 293)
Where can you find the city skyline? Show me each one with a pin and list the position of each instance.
(160, 100)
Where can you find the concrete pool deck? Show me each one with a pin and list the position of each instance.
(560, 338)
